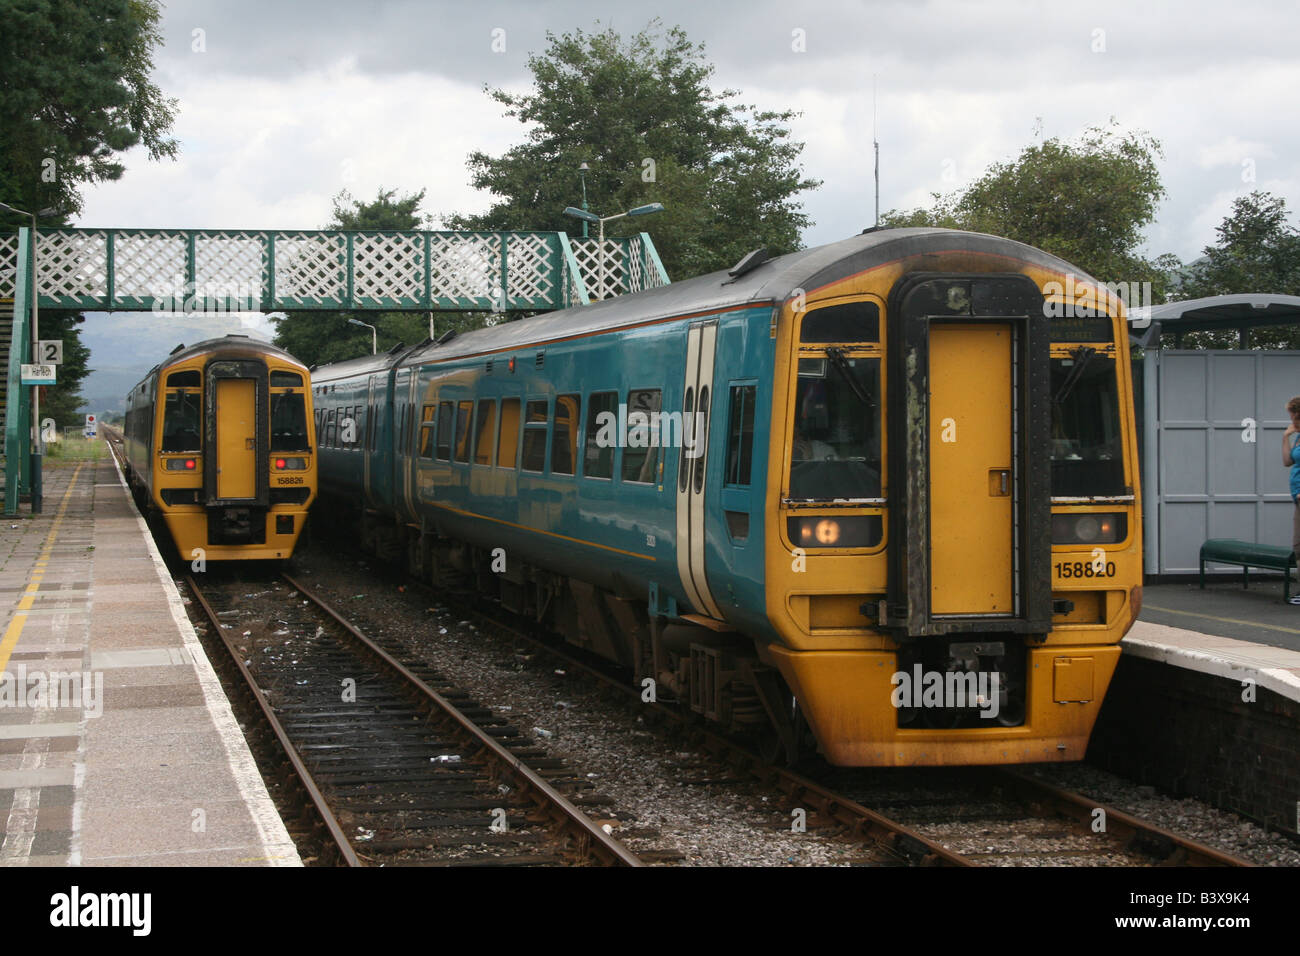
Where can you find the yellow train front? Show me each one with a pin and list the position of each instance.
(219, 441)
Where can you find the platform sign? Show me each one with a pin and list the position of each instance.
(91, 426)
(38, 374)
(50, 351)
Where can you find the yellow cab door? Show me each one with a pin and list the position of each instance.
(236, 426)
(970, 469)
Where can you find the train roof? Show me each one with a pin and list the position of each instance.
(365, 365)
(771, 282)
(233, 345)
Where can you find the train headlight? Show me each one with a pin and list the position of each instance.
(1089, 528)
(839, 531)
(291, 464)
(182, 464)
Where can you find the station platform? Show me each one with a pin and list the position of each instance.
(117, 744)
(1225, 630)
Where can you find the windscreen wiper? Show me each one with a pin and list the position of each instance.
(1082, 355)
(841, 365)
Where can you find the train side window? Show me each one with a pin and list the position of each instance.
(330, 421)
(426, 430)
(181, 418)
(288, 422)
(534, 458)
(444, 432)
(849, 322)
(700, 443)
(598, 450)
(641, 454)
(463, 412)
(508, 440)
(483, 434)
(740, 434)
(564, 438)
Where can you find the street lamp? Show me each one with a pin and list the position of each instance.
(586, 217)
(374, 335)
(582, 174)
(36, 358)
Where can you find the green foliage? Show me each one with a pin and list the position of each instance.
(726, 173)
(1257, 251)
(318, 338)
(75, 89)
(1086, 201)
(63, 401)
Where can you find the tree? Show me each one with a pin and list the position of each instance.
(63, 401)
(640, 113)
(75, 93)
(1257, 251)
(1086, 201)
(317, 338)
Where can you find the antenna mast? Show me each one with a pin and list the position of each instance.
(875, 143)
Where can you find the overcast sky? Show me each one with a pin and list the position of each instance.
(287, 103)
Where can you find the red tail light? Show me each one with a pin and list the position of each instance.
(280, 463)
(189, 464)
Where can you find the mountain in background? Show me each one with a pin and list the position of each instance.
(124, 346)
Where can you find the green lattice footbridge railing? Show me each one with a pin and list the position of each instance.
(287, 270)
(238, 270)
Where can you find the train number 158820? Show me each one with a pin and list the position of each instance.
(1085, 569)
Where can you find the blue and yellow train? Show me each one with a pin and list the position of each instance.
(880, 495)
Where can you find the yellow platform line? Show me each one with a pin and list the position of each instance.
(19, 620)
(1222, 620)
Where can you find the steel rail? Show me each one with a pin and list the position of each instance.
(602, 843)
(1136, 833)
(304, 775)
(889, 835)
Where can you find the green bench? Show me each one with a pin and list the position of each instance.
(1250, 555)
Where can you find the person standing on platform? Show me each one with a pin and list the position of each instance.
(1293, 462)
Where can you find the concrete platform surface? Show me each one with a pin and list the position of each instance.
(117, 743)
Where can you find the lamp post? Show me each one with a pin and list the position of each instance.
(586, 217)
(582, 174)
(374, 335)
(39, 448)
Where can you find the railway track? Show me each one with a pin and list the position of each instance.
(964, 817)
(400, 767)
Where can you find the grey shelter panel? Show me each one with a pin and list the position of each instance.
(1221, 418)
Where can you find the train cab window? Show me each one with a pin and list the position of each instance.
(1087, 446)
(487, 421)
(534, 458)
(443, 438)
(190, 378)
(598, 450)
(288, 422)
(280, 379)
(641, 453)
(836, 447)
(426, 430)
(740, 434)
(181, 422)
(463, 412)
(508, 440)
(850, 322)
(564, 437)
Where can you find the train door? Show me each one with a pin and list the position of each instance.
(368, 440)
(692, 465)
(970, 469)
(970, 480)
(236, 438)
